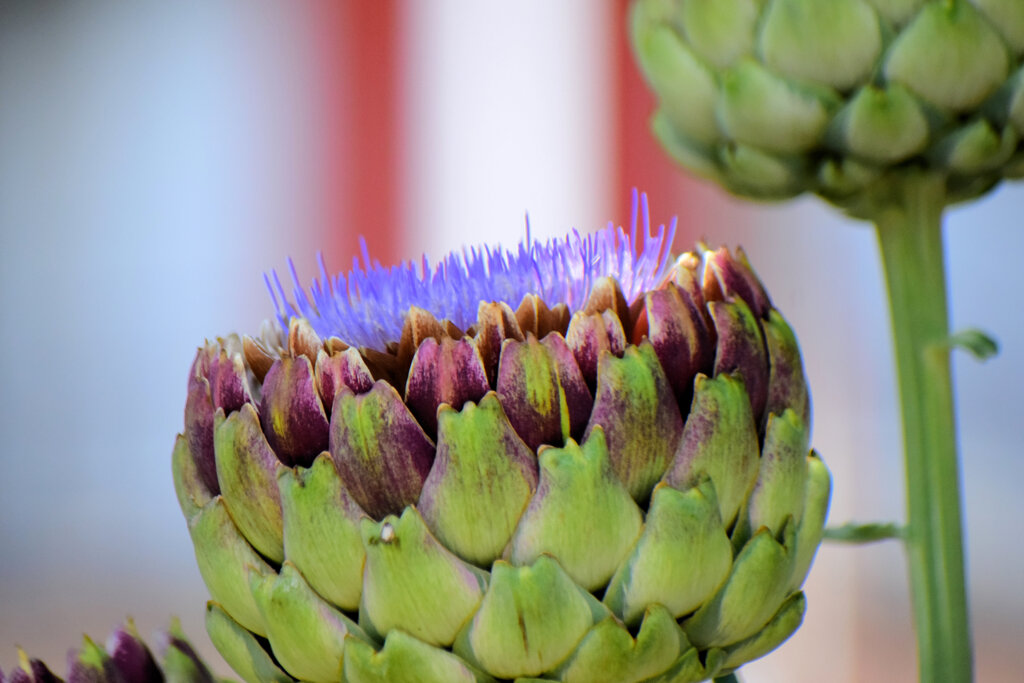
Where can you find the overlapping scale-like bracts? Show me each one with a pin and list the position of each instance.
(772, 98)
(621, 493)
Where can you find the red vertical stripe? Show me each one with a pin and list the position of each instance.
(360, 45)
(641, 163)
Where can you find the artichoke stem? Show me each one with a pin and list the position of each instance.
(908, 221)
(864, 533)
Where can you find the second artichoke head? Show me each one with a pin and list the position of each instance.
(772, 98)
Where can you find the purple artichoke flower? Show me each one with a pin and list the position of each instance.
(579, 460)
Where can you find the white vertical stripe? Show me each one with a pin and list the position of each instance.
(508, 112)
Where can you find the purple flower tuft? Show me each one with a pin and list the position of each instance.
(367, 308)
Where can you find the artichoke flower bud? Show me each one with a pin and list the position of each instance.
(30, 671)
(125, 659)
(773, 98)
(581, 460)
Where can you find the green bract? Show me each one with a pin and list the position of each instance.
(772, 98)
(619, 494)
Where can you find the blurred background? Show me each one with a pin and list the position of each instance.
(155, 161)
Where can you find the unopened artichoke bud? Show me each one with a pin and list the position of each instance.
(131, 656)
(91, 664)
(772, 98)
(179, 660)
(581, 460)
(124, 659)
(30, 670)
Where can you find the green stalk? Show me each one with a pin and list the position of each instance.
(908, 222)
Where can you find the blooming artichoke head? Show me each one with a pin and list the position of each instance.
(772, 98)
(580, 460)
